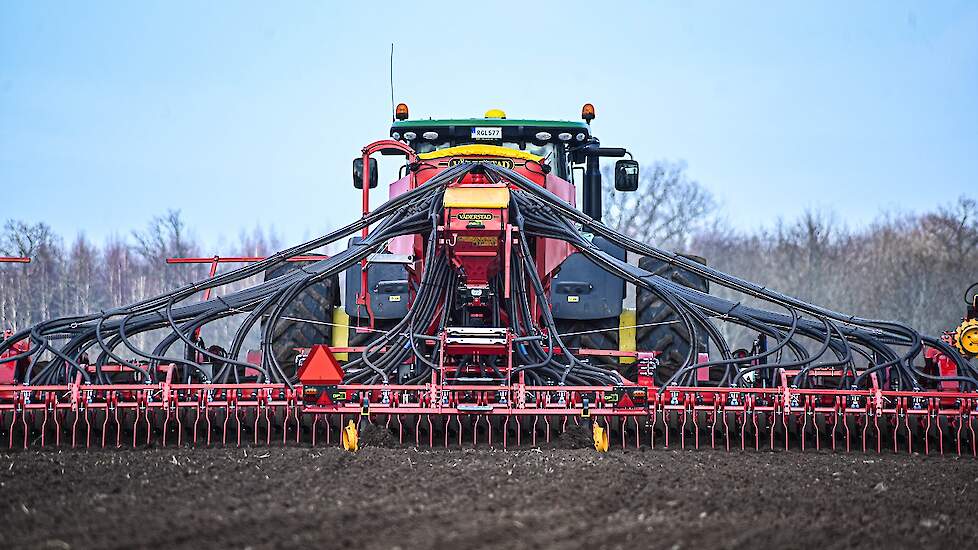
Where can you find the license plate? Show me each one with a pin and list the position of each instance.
(495, 132)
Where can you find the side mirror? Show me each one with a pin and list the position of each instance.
(626, 175)
(358, 173)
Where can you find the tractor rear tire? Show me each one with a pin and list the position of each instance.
(595, 334)
(671, 339)
(315, 303)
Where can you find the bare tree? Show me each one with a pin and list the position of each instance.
(165, 237)
(667, 209)
(23, 239)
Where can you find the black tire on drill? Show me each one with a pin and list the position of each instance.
(671, 339)
(595, 334)
(315, 303)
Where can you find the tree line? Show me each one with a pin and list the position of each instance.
(77, 277)
(912, 267)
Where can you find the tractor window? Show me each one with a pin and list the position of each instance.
(545, 150)
(427, 146)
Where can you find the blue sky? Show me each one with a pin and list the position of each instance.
(242, 114)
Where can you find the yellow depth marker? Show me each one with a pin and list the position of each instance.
(350, 437)
(600, 438)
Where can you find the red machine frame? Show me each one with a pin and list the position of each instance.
(638, 412)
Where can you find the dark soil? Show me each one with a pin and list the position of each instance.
(373, 435)
(576, 436)
(404, 498)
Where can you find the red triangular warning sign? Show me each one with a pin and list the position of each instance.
(320, 368)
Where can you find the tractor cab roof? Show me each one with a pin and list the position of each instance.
(552, 140)
(432, 133)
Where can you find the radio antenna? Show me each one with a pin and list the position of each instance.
(393, 114)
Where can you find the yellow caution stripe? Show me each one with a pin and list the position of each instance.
(481, 151)
(341, 333)
(626, 334)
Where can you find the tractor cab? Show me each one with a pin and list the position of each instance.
(567, 147)
(553, 140)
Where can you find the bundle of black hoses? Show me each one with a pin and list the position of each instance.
(838, 339)
(100, 335)
(803, 336)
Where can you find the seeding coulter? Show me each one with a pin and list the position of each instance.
(480, 306)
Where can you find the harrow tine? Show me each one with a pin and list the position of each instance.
(876, 427)
(960, 425)
(818, 440)
(804, 426)
(490, 430)
(315, 423)
(682, 429)
(339, 439)
(224, 435)
(200, 409)
(505, 431)
(298, 423)
(242, 415)
(743, 430)
(118, 426)
(655, 418)
(285, 425)
(713, 427)
(666, 428)
(23, 421)
(166, 424)
(149, 428)
(519, 431)
(785, 416)
(906, 423)
(88, 430)
(13, 420)
(210, 429)
(927, 436)
(57, 430)
(971, 426)
(726, 431)
(105, 428)
(638, 432)
(255, 428)
(176, 414)
(74, 431)
(44, 425)
(896, 430)
(845, 424)
(835, 427)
